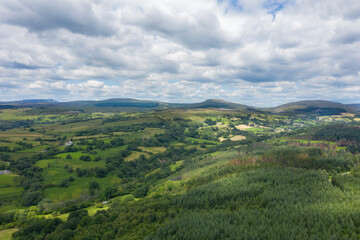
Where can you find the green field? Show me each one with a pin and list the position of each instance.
(10, 194)
(9, 180)
(77, 188)
(10, 189)
(7, 234)
(201, 140)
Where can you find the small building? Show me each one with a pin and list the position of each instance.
(69, 143)
(3, 172)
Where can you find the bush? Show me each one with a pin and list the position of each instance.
(141, 191)
(94, 185)
(65, 183)
(85, 158)
(31, 198)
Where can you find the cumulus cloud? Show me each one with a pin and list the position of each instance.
(84, 17)
(182, 51)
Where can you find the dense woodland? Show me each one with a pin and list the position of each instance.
(178, 174)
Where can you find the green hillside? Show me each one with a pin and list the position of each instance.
(210, 171)
(314, 106)
(216, 103)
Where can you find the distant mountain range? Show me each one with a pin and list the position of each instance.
(29, 102)
(127, 104)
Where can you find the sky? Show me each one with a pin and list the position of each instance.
(256, 52)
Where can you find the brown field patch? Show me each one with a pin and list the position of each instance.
(234, 138)
(238, 138)
(243, 127)
(153, 149)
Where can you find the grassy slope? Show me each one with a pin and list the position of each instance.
(78, 187)
(10, 189)
(7, 234)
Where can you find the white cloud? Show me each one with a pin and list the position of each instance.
(244, 51)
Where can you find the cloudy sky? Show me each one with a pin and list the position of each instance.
(256, 52)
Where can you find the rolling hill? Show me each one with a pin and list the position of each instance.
(217, 103)
(313, 106)
(30, 102)
(354, 106)
(118, 102)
